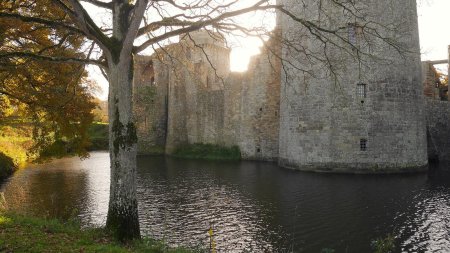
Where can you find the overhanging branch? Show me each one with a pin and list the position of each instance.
(51, 58)
(40, 21)
(199, 24)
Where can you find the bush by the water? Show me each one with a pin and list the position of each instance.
(208, 151)
(15, 141)
(7, 166)
(98, 135)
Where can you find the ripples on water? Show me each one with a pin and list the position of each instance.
(251, 206)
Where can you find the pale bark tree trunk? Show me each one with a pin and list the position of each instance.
(123, 207)
(122, 216)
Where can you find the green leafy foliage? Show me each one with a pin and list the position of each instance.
(208, 152)
(384, 245)
(144, 96)
(100, 111)
(98, 135)
(15, 141)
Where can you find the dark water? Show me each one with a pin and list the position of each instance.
(255, 207)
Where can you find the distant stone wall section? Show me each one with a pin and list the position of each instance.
(430, 80)
(150, 103)
(259, 109)
(198, 100)
(352, 117)
(303, 121)
(438, 130)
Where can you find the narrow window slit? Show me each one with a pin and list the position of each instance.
(361, 91)
(363, 144)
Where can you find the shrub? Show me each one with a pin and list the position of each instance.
(98, 135)
(384, 245)
(7, 166)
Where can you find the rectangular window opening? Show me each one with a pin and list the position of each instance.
(361, 90)
(363, 144)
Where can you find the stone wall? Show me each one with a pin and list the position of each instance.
(198, 100)
(331, 123)
(309, 116)
(438, 130)
(189, 79)
(150, 100)
(430, 80)
(259, 96)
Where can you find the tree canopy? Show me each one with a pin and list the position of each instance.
(51, 95)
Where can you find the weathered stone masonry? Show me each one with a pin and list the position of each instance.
(371, 119)
(198, 100)
(365, 118)
(438, 129)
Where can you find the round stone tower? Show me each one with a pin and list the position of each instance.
(351, 92)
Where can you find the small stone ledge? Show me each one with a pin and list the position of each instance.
(355, 168)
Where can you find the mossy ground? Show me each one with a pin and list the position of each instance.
(20, 233)
(208, 152)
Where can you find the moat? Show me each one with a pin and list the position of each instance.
(252, 206)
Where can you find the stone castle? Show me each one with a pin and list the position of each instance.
(362, 114)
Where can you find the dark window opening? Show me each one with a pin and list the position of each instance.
(363, 144)
(361, 91)
(260, 109)
(276, 113)
(152, 81)
(258, 150)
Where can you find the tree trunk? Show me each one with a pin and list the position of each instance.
(122, 216)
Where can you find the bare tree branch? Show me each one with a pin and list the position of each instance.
(138, 14)
(50, 58)
(202, 23)
(85, 22)
(41, 21)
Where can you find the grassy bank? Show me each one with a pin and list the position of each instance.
(25, 234)
(208, 152)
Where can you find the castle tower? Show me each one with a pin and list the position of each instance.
(349, 110)
(196, 89)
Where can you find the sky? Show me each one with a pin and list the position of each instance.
(434, 30)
